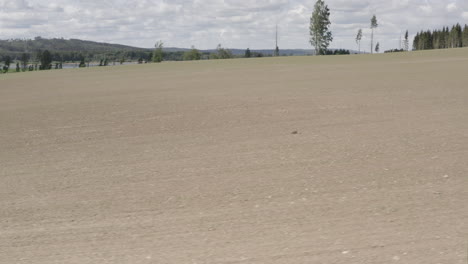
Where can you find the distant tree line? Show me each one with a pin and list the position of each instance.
(337, 52)
(444, 38)
(43, 61)
(394, 50)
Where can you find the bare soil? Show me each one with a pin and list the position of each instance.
(353, 159)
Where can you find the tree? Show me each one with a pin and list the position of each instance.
(277, 52)
(442, 39)
(7, 60)
(24, 61)
(465, 36)
(455, 36)
(358, 39)
(406, 41)
(377, 47)
(46, 60)
(221, 53)
(82, 61)
(158, 52)
(193, 54)
(416, 42)
(320, 34)
(459, 33)
(248, 54)
(446, 38)
(373, 25)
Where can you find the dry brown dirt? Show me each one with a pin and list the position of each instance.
(355, 159)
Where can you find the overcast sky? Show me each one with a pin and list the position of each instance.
(233, 23)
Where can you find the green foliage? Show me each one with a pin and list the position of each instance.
(221, 53)
(46, 60)
(158, 52)
(320, 34)
(192, 54)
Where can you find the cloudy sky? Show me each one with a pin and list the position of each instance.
(233, 23)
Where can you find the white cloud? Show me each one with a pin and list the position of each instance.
(452, 7)
(233, 23)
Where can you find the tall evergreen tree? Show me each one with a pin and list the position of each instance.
(320, 34)
(374, 24)
(406, 41)
(416, 42)
(436, 39)
(453, 37)
(358, 39)
(446, 38)
(459, 33)
(465, 36)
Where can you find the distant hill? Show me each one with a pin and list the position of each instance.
(73, 49)
(69, 49)
(61, 45)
